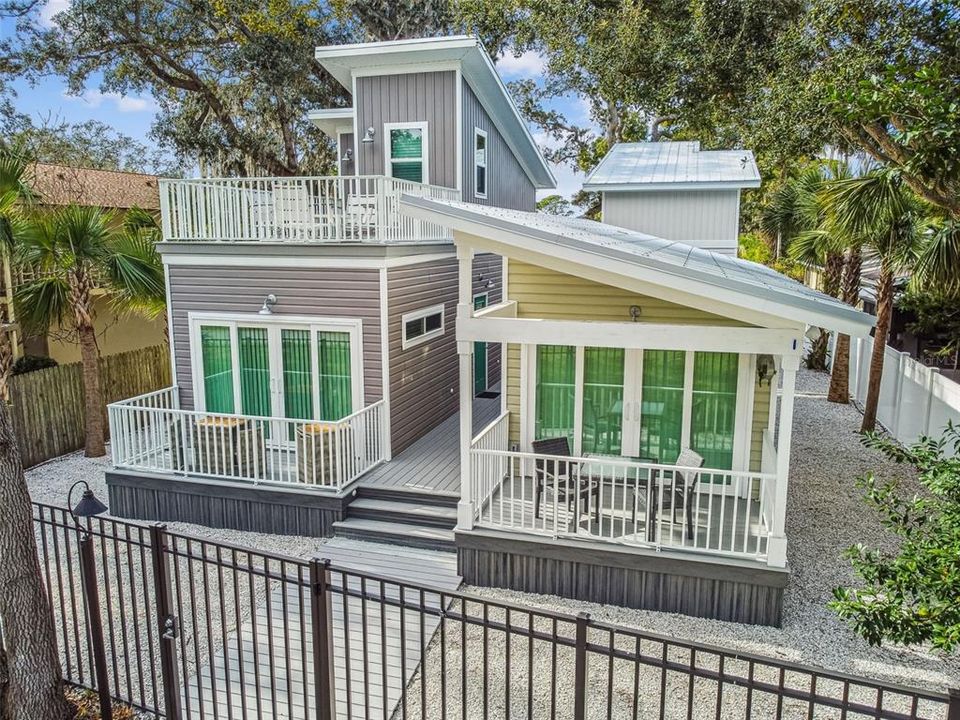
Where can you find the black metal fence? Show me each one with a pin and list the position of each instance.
(190, 628)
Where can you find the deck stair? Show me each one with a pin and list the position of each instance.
(400, 517)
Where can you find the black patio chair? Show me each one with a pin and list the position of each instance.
(678, 495)
(562, 475)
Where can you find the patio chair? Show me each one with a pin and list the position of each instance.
(680, 494)
(568, 484)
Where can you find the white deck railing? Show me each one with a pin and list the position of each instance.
(617, 503)
(296, 209)
(152, 433)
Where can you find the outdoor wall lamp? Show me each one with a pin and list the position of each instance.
(368, 136)
(635, 313)
(268, 302)
(766, 369)
(347, 155)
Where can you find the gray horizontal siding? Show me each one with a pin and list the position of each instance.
(423, 378)
(491, 267)
(414, 97)
(424, 384)
(319, 292)
(507, 184)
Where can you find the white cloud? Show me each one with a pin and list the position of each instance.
(527, 65)
(51, 8)
(122, 103)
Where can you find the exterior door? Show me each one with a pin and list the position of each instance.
(479, 353)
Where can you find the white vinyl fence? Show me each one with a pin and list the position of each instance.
(915, 400)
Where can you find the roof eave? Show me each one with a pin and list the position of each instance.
(648, 187)
(851, 322)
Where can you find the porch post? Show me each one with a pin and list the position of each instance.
(777, 547)
(465, 355)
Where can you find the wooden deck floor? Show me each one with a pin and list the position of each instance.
(432, 463)
(272, 653)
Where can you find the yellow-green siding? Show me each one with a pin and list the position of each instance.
(543, 293)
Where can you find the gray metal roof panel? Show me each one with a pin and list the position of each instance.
(649, 252)
(661, 165)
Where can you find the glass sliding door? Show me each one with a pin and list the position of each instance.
(602, 423)
(334, 363)
(555, 392)
(714, 408)
(661, 408)
(297, 374)
(254, 357)
(217, 363)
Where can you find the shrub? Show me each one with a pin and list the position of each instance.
(29, 363)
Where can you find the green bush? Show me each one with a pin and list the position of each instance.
(29, 363)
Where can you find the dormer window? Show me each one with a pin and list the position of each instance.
(480, 162)
(406, 156)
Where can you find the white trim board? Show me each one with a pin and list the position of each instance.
(290, 261)
(638, 335)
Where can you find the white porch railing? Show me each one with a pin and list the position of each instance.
(296, 209)
(152, 433)
(614, 500)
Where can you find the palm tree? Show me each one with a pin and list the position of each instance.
(879, 208)
(134, 271)
(15, 195)
(72, 250)
(795, 216)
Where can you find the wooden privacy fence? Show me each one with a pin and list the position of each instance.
(46, 406)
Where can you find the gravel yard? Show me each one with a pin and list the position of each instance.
(825, 515)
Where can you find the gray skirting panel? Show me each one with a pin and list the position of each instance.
(222, 504)
(737, 591)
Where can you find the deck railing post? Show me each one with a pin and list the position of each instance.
(167, 622)
(321, 615)
(580, 668)
(91, 603)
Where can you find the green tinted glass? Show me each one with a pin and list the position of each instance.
(336, 393)
(412, 171)
(217, 368)
(661, 413)
(406, 143)
(556, 391)
(297, 375)
(254, 358)
(602, 400)
(714, 407)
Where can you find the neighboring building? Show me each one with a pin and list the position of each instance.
(675, 191)
(118, 192)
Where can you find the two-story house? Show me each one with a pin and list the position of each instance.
(312, 329)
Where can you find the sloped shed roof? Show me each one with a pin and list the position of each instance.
(65, 185)
(699, 271)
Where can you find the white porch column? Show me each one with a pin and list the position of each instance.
(465, 355)
(777, 547)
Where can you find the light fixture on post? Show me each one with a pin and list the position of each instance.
(766, 369)
(89, 506)
(368, 136)
(268, 302)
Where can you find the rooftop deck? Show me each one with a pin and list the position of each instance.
(348, 209)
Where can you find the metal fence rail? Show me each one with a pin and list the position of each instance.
(190, 628)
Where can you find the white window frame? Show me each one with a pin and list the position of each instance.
(424, 148)
(427, 335)
(274, 324)
(477, 132)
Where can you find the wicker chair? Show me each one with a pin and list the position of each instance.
(562, 476)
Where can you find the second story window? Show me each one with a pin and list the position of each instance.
(480, 162)
(422, 325)
(407, 151)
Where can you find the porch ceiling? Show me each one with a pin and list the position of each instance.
(623, 258)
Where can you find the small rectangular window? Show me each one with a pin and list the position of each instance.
(421, 326)
(406, 151)
(480, 162)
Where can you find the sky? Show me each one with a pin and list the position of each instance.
(134, 114)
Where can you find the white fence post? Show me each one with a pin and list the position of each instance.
(928, 398)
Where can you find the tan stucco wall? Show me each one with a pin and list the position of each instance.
(115, 334)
